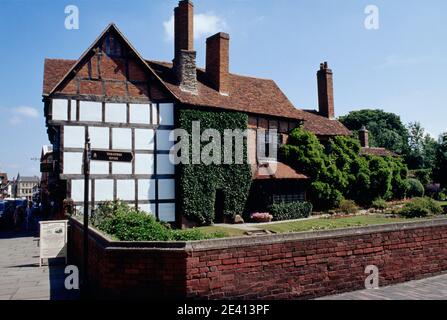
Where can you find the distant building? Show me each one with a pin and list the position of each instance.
(23, 187)
(4, 183)
(48, 176)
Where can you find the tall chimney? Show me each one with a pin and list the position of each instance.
(217, 61)
(325, 91)
(364, 137)
(185, 57)
(183, 27)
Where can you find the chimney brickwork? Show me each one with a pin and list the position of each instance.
(364, 137)
(184, 63)
(326, 91)
(217, 61)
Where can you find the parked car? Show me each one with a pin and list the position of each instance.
(2, 213)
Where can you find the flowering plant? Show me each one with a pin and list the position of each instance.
(263, 217)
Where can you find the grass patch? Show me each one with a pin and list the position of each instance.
(443, 203)
(228, 232)
(331, 223)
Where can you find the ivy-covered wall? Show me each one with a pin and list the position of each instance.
(197, 183)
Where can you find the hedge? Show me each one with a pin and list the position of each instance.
(198, 183)
(289, 211)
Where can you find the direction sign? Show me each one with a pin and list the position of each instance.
(111, 156)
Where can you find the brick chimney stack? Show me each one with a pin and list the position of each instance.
(185, 57)
(217, 61)
(364, 137)
(325, 91)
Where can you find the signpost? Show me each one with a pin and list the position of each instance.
(94, 155)
(107, 155)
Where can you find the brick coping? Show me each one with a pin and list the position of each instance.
(109, 244)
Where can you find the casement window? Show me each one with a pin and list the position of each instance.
(287, 198)
(268, 144)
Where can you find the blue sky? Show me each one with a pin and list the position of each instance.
(399, 68)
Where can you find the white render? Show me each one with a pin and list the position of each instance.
(99, 137)
(73, 162)
(60, 109)
(140, 113)
(166, 212)
(103, 190)
(125, 190)
(144, 139)
(166, 114)
(154, 114)
(164, 165)
(122, 139)
(121, 168)
(163, 142)
(148, 208)
(77, 190)
(99, 167)
(90, 111)
(166, 189)
(144, 164)
(74, 137)
(116, 112)
(146, 190)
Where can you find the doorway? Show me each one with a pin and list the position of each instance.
(219, 216)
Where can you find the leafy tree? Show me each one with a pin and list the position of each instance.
(339, 171)
(386, 129)
(421, 151)
(440, 171)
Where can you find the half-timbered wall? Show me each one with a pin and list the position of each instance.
(114, 98)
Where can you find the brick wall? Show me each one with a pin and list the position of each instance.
(291, 266)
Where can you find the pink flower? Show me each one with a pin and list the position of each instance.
(261, 216)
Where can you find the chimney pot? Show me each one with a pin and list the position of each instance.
(217, 61)
(325, 91)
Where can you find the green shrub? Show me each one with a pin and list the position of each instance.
(324, 196)
(135, 226)
(348, 207)
(126, 224)
(289, 211)
(421, 207)
(415, 188)
(380, 204)
(423, 175)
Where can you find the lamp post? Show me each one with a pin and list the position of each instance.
(87, 156)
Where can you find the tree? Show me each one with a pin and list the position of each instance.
(440, 171)
(421, 151)
(339, 171)
(386, 129)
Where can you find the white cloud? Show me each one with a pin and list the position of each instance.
(396, 61)
(205, 24)
(27, 112)
(20, 113)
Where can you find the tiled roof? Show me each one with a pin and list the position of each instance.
(247, 94)
(381, 152)
(277, 170)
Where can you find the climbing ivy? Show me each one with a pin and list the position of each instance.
(198, 183)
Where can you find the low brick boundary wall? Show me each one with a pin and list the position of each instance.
(286, 266)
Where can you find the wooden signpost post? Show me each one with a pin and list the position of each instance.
(94, 155)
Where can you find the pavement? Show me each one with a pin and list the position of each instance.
(434, 288)
(21, 278)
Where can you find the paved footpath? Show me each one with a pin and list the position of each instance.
(426, 289)
(21, 278)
